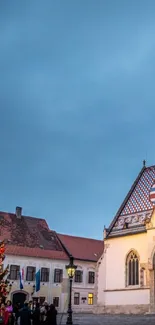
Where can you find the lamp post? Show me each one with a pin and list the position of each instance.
(71, 271)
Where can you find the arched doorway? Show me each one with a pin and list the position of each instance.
(19, 297)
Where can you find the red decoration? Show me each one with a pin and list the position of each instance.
(3, 273)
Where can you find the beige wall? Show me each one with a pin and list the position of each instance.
(51, 289)
(112, 289)
(116, 257)
(113, 294)
(47, 290)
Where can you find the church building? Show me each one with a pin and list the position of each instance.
(126, 269)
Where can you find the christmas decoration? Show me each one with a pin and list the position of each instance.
(3, 273)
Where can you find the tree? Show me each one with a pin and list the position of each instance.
(3, 273)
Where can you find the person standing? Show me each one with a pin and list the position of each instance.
(9, 308)
(52, 316)
(25, 315)
(4, 315)
(36, 315)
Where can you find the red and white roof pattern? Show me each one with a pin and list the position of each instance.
(137, 206)
(152, 194)
(139, 199)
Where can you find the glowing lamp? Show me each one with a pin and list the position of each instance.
(71, 271)
(71, 268)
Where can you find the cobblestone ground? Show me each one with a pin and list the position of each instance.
(91, 319)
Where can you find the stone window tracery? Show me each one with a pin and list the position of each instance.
(132, 264)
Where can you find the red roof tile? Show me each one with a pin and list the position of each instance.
(35, 252)
(29, 237)
(82, 248)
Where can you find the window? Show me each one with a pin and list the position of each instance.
(14, 272)
(56, 301)
(78, 276)
(90, 298)
(58, 273)
(91, 277)
(132, 269)
(44, 274)
(30, 274)
(76, 298)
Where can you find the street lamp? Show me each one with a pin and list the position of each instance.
(71, 271)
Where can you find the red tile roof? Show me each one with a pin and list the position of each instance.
(29, 237)
(82, 248)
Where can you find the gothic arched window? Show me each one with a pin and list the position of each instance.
(132, 269)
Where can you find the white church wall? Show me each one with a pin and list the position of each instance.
(127, 297)
(116, 257)
(114, 296)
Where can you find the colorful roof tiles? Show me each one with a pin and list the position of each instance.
(139, 198)
(137, 205)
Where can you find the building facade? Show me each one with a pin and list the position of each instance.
(32, 246)
(86, 253)
(54, 280)
(126, 269)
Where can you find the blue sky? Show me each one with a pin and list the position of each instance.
(77, 107)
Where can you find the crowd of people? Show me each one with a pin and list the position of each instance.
(28, 314)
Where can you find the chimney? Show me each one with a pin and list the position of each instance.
(18, 212)
(104, 233)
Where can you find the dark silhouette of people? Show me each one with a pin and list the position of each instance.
(25, 315)
(36, 315)
(51, 316)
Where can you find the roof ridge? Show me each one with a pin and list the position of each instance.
(80, 237)
(127, 198)
(25, 216)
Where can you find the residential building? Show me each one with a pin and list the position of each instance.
(32, 246)
(126, 269)
(86, 253)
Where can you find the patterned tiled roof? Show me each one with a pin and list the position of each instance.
(82, 248)
(139, 198)
(28, 236)
(137, 201)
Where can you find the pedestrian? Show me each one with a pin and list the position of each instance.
(25, 315)
(36, 315)
(52, 316)
(9, 308)
(4, 315)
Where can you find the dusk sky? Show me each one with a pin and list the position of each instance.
(77, 107)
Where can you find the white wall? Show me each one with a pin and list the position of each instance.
(112, 271)
(116, 257)
(132, 297)
(84, 288)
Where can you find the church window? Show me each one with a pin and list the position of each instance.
(132, 269)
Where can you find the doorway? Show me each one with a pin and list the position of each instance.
(19, 298)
